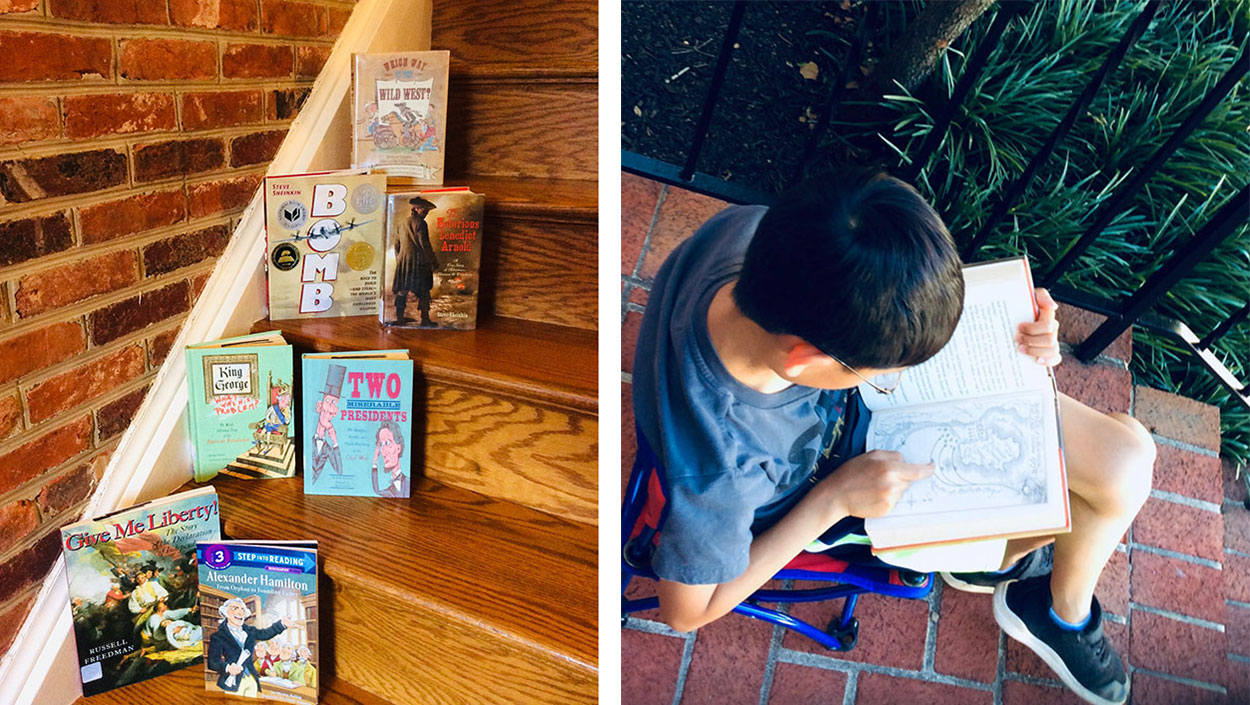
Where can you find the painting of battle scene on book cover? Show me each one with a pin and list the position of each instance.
(400, 113)
(433, 254)
(133, 589)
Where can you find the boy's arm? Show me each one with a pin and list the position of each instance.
(865, 486)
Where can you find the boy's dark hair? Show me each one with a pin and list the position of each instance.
(858, 265)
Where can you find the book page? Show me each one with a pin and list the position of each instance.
(981, 357)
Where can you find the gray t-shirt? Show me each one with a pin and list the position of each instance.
(736, 459)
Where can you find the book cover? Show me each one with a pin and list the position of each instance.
(399, 113)
(324, 233)
(432, 259)
(132, 588)
(358, 423)
(987, 416)
(239, 408)
(259, 601)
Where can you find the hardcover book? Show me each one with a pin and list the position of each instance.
(132, 588)
(324, 233)
(358, 423)
(259, 600)
(239, 411)
(987, 416)
(432, 259)
(399, 113)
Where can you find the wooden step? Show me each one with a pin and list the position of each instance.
(187, 686)
(493, 38)
(540, 256)
(509, 409)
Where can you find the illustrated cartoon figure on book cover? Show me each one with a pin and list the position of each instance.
(232, 645)
(390, 450)
(400, 113)
(325, 440)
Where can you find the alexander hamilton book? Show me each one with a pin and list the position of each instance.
(239, 408)
(259, 600)
(399, 113)
(358, 423)
(133, 588)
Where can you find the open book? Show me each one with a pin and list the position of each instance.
(987, 415)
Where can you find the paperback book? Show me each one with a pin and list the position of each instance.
(239, 407)
(399, 113)
(259, 600)
(358, 423)
(132, 588)
(432, 259)
(325, 233)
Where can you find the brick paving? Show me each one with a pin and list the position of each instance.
(1177, 592)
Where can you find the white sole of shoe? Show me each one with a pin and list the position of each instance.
(966, 587)
(1016, 629)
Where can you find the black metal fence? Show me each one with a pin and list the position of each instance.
(1135, 310)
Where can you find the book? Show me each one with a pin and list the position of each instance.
(324, 233)
(987, 416)
(239, 408)
(432, 259)
(358, 423)
(399, 113)
(133, 588)
(259, 601)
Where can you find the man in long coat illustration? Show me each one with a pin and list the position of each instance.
(415, 262)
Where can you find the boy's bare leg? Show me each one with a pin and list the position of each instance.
(1110, 460)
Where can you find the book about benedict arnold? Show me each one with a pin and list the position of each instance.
(399, 113)
(259, 600)
(239, 409)
(133, 588)
(358, 423)
(324, 232)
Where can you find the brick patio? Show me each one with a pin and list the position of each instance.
(1179, 618)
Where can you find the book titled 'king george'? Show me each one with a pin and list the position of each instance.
(133, 588)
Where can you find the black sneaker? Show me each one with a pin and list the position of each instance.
(1034, 563)
(1084, 660)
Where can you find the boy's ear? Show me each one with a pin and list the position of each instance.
(802, 355)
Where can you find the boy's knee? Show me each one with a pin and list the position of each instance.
(1133, 451)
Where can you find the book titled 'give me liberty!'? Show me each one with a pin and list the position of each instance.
(358, 423)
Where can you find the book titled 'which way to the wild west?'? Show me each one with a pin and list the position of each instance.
(400, 113)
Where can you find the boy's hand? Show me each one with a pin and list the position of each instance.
(871, 484)
(1040, 339)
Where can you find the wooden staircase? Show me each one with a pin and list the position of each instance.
(481, 588)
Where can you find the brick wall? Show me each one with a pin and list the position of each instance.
(132, 134)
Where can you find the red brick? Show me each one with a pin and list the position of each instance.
(1152, 690)
(112, 322)
(638, 589)
(242, 15)
(336, 19)
(967, 644)
(56, 342)
(629, 440)
(1076, 324)
(1176, 417)
(29, 566)
(11, 621)
(161, 160)
(31, 238)
(184, 250)
(202, 111)
(649, 667)
(1237, 625)
(147, 211)
(30, 460)
(629, 339)
(1112, 589)
(1237, 528)
(1177, 527)
(1166, 645)
(222, 195)
(198, 283)
(64, 285)
(891, 630)
(284, 103)
(1234, 481)
(84, 382)
(1236, 577)
(28, 119)
(118, 113)
(799, 685)
(638, 200)
(1102, 387)
(257, 61)
(309, 60)
(1178, 586)
(10, 415)
(256, 148)
(115, 416)
(110, 11)
(728, 662)
(680, 215)
(66, 491)
(25, 180)
(298, 19)
(40, 56)
(1187, 473)
(18, 520)
(880, 689)
(1238, 681)
(638, 295)
(168, 59)
(7, 6)
(1018, 693)
(159, 345)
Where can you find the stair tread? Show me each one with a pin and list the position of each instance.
(187, 685)
(490, 34)
(529, 577)
(541, 197)
(541, 361)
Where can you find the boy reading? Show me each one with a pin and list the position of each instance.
(755, 330)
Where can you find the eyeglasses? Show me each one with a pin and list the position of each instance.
(889, 381)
